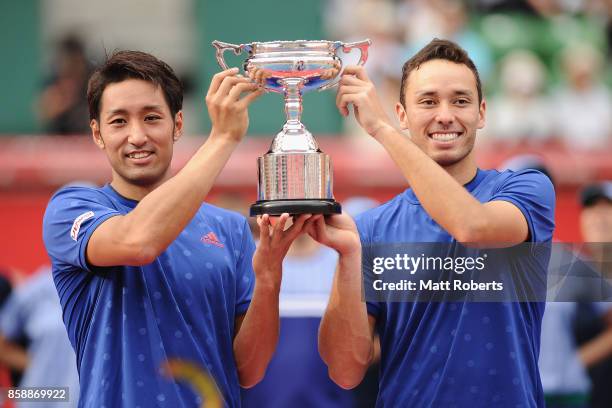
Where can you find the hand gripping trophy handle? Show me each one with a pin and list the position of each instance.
(362, 46)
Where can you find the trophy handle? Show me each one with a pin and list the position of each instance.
(222, 47)
(362, 46)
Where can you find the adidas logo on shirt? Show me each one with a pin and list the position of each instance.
(211, 238)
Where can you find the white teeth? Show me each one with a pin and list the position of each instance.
(444, 137)
(139, 155)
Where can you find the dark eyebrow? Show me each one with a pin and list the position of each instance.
(459, 92)
(426, 93)
(121, 111)
(153, 107)
(464, 93)
(116, 112)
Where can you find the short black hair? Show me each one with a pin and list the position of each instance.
(122, 65)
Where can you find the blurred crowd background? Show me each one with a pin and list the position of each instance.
(543, 62)
(547, 77)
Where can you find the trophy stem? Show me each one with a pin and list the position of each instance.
(294, 137)
(293, 102)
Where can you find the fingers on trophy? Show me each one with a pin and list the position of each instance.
(294, 176)
(257, 75)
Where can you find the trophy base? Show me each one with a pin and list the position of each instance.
(296, 207)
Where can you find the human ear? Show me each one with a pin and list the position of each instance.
(178, 126)
(481, 114)
(402, 116)
(95, 133)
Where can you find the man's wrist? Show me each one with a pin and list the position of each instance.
(349, 264)
(267, 286)
(382, 130)
(268, 275)
(224, 138)
(349, 251)
(348, 255)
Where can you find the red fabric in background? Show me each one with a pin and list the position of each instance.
(5, 382)
(21, 213)
(31, 168)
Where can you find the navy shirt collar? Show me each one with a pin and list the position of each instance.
(128, 202)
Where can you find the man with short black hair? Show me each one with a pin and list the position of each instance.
(159, 290)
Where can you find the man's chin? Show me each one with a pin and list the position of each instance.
(144, 179)
(447, 159)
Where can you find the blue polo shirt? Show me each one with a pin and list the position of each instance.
(127, 322)
(461, 354)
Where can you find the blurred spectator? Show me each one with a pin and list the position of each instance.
(447, 19)
(62, 104)
(33, 310)
(340, 19)
(520, 111)
(377, 20)
(596, 216)
(592, 330)
(583, 107)
(563, 363)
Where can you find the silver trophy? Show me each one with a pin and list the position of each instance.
(295, 176)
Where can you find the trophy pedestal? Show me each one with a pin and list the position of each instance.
(296, 207)
(295, 183)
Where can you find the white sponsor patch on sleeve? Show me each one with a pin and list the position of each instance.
(76, 226)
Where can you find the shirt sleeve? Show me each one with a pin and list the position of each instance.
(244, 271)
(73, 214)
(363, 223)
(533, 193)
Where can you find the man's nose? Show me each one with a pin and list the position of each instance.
(444, 114)
(137, 135)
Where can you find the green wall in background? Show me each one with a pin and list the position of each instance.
(237, 21)
(242, 21)
(20, 66)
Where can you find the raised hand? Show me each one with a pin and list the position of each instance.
(228, 98)
(357, 89)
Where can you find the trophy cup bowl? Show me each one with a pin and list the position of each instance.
(294, 176)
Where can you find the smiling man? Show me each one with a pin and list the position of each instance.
(437, 353)
(153, 281)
